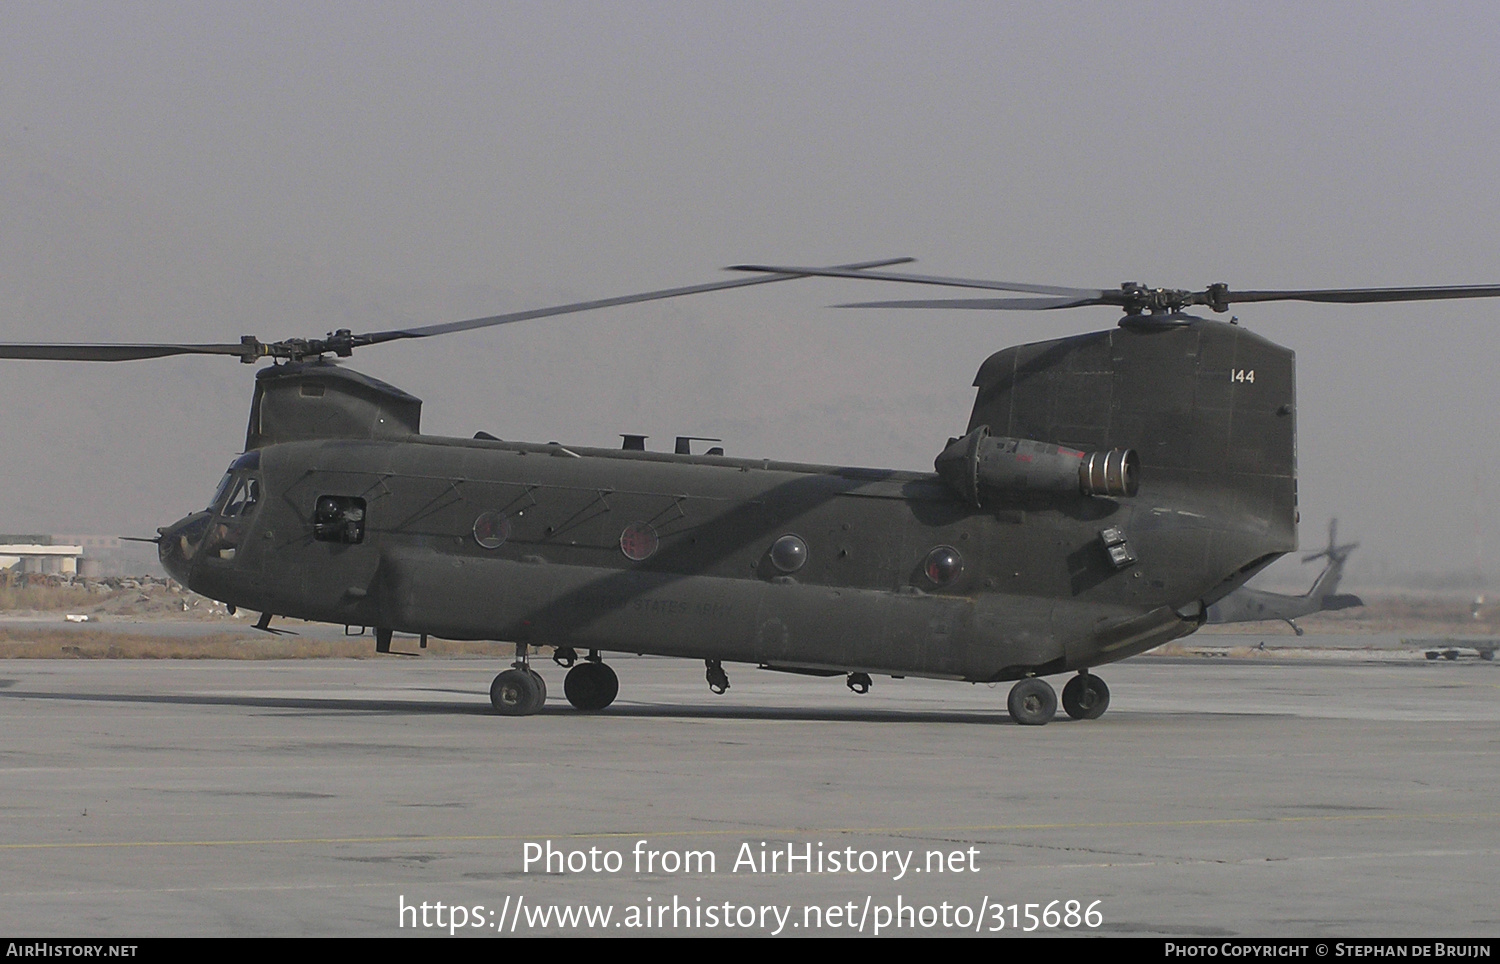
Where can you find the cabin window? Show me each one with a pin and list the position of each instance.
(491, 530)
(943, 565)
(789, 553)
(639, 541)
(339, 518)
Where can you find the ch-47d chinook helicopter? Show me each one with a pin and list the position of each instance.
(1108, 488)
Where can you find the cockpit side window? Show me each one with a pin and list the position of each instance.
(241, 469)
(244, 500)
(234, 514)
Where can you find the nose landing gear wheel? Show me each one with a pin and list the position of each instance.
(1032, 702)
(517, 692)
(1085, 697)
(591, 686)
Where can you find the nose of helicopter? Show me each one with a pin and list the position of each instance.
(180, 542)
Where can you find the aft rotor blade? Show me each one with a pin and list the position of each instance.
(425, 331)
(922, 279)
(1132, 297)
(1362, 296)
(65, 352)
(982, 304)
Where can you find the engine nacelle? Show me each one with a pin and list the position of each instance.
(981, 461)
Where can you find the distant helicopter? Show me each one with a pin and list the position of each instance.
(1246, 605)
(1109, 488)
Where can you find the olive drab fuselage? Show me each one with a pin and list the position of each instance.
(341, 511)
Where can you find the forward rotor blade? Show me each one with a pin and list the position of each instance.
(1361, 296)
(921, 279)
(342, 342)
(982, 304)
(64, 352)
(849, 270)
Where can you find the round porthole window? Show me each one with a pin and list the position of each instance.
(491, 530)
(789, 553)
(943, 565)
(639, 541)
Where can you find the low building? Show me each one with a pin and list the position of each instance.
(35, 557)
(66, 554)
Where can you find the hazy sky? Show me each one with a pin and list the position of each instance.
(194, 172)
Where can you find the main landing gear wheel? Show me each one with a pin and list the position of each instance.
(718, 680)
(1085, 697)
(517, 692)
(1032, 702)
(591, 686)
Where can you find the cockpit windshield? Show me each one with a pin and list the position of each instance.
(221, 491)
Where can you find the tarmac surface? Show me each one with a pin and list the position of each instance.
(1335, 795)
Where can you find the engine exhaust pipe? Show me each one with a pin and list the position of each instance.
(1113, 474)
(980, 461)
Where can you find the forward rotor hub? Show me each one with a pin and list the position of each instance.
(1136, 298)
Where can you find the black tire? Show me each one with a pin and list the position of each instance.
(1032, 702)
(541, 685)
(591, 686)
(1085, 697)
(515, 693)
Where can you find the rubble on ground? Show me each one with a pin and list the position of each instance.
(145, 596)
